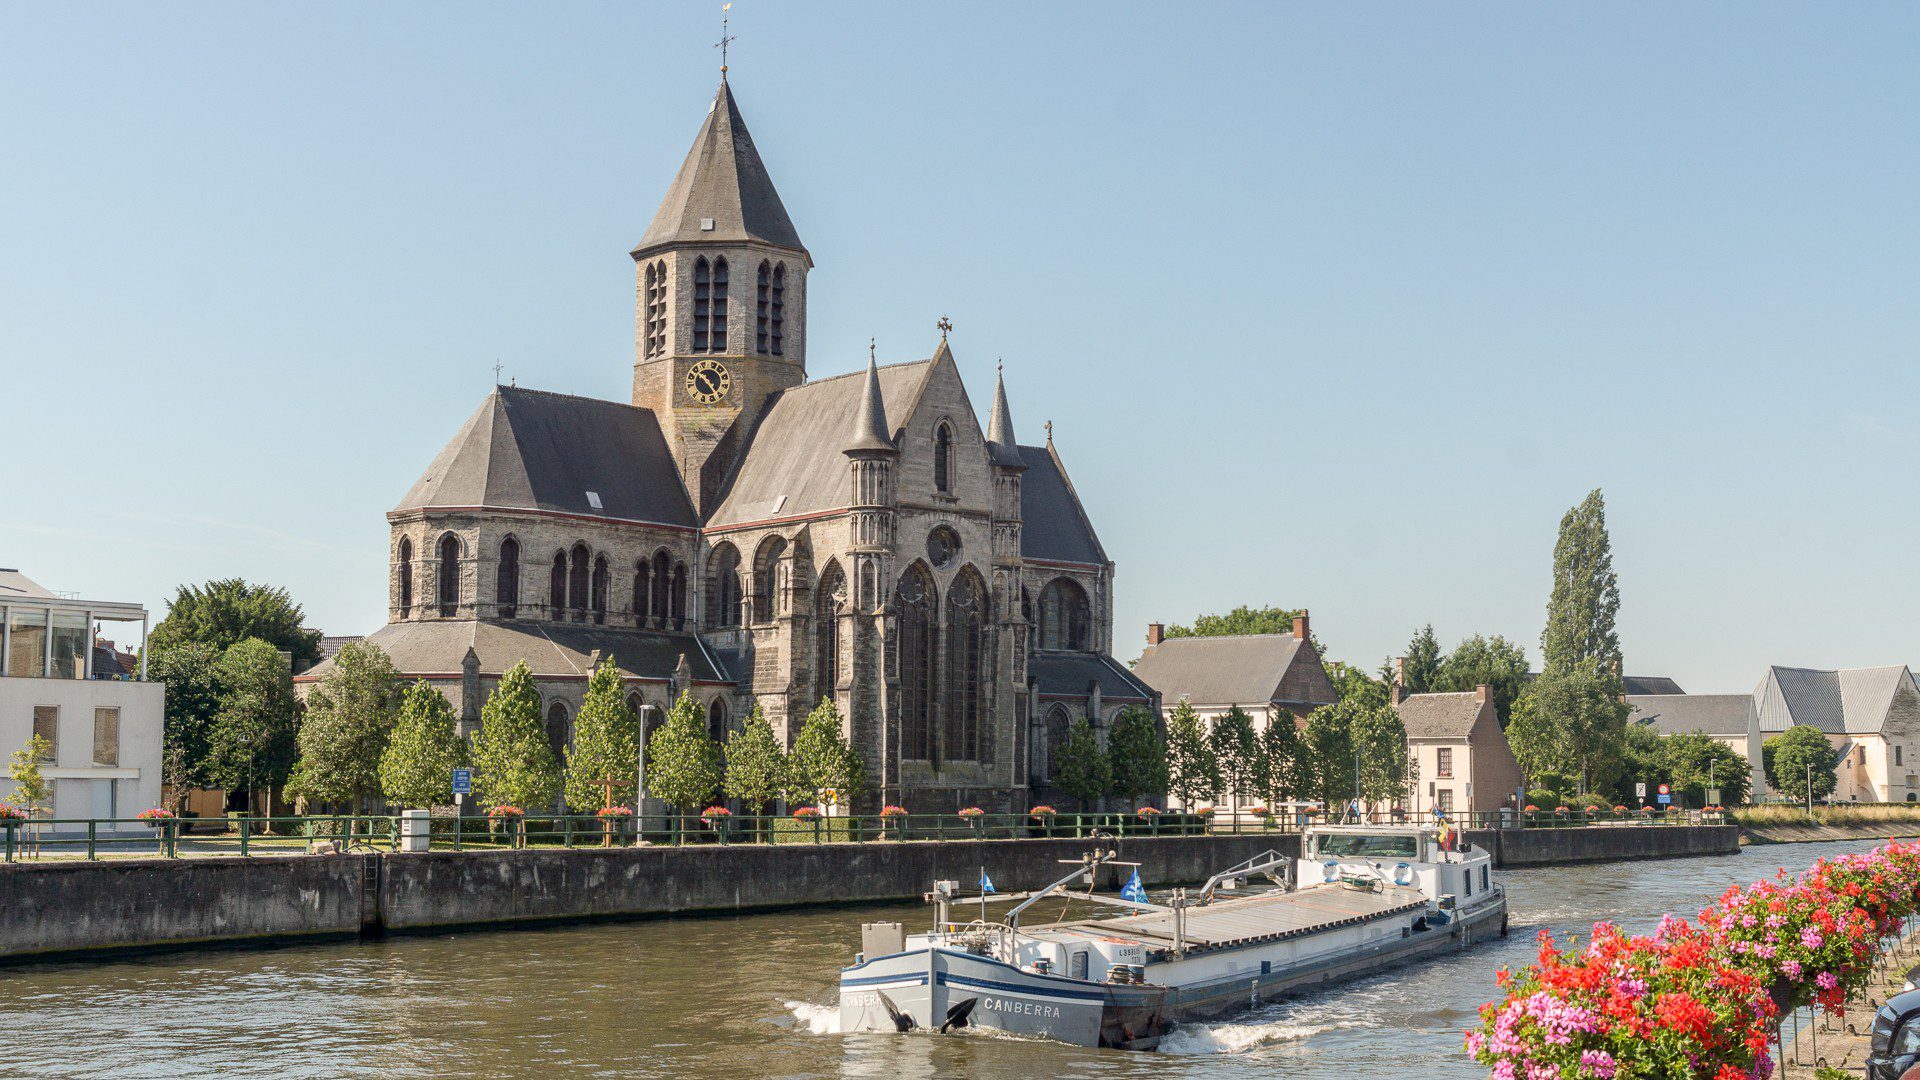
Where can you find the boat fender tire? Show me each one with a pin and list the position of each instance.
(1503, 924)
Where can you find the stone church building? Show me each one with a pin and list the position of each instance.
(753, 536)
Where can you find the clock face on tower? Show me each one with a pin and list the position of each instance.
(708, 382)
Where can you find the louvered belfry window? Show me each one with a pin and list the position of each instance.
(763, 309)
(717, 325)
(656, 281)
(702, 304)
(778, 319)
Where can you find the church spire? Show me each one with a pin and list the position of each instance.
(870, 423)
(722, 194)
(1000, 442)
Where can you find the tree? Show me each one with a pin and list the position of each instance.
(1233, 746)
(1193, 774)
(1241, 620)
(190, 670)
(1802, 762)
(1327, 743)
(350, 717)
(1643, 760)
(1279, 763)
(683, 761)
(252, 742)
(606, 743)
(1494, 662)
(823, 760)
(1137, 756)
(756, 771)
(1421, 665)
(1380, 741)
(1584, 711)
(417, 768)
(226, 612)
(1084, 772)
(513, 763)
(1586, 596)
(29, 787)
(1357, 686)
(1696, 763)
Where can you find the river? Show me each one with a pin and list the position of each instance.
(743, 996)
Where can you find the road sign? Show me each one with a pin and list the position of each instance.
(1640, 791)
(1666, 795)
(463, 781)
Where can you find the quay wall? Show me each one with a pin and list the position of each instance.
(58, 908)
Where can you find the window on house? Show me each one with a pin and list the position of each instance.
(402, 569)
(942, 452)
(449, 575)
(46, 725)
(1444, 765)
(779, 319)
(1443, 801)
(1898, 757)
(106, 738)
(69, 646)
(506, 590)
(763, 310)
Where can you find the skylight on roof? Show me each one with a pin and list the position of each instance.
(593, 500)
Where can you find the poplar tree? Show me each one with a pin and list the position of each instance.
(1193, 775)
(823, 761)
(1137, 756)
(756, 771)
(1233, 747)
(1084, 771)
(513, 763)
(606, 743)
(350, 716)
(683, 761)
(1586, 595)
(417, 769)
(1421, 666)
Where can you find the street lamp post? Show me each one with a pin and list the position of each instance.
(1809, 790)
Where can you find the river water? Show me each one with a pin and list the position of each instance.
(741, 997)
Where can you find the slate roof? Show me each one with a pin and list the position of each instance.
(724, 180)
(331, 644)
(1849, 701)
(1440, 716)
(1072, 674)
(438, 647)
(1708, 714)
(1649, 684)
(534, 450)
(1053, 524)
(796, 463)
(1244, 669)
(15, 585)
(1002, 447)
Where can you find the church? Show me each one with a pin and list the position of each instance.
(746, 534)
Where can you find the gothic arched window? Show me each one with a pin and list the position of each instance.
(662, 584)
(942, 452)
(506, 584)
(1033, 624)
(766, 578)
(652, 719)
(826, 628)
(717, 325)
(557, 586)
(557, 730)
(723, 587)
(914, 598)
(403, 569)
(656, 331)
(1058, 721)
(642, 578)
(449, 575)
(763, 309)
(702, 303)
(966, 660)
(779, 319)
(577, 579)
(679, 596)
(717, 720)
(601, 577)
(1065, 617)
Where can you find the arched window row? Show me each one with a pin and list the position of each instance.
(1065, 617)
(655, 330)
(580, 585)
(709, 305)
(770, 315)
(943, 667)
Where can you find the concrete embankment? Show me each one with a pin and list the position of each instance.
(1803, 833)
(76, 907)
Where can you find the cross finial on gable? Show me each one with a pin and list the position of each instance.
(1049, 433)
(944, 325)
(870, 356)
(496, 372)
(724, 38)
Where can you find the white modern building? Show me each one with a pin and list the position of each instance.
(59, 681)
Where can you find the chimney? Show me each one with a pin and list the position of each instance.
(1483, 692)
(1399, 679)
(1156, 633)
(1300, 626)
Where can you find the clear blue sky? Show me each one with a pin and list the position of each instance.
(1332, 306)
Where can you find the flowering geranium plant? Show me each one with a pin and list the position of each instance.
(807, 812)
(971, 812)
(1204, 811)
(1146, 811)
(712, 812)
(505, 811)
(890, 811)
(158, 813)
(1043, 810)
(1257, 811)
(611, 813)
(1559, 809)
(1620, 809)
(1532, 809)
(10, 812)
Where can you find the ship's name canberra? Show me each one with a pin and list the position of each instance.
(1024, 1008)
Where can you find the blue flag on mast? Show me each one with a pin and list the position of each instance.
(1133, 890)
(986, 883)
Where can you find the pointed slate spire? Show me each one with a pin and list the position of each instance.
(870, 422)
(1000, 443)
(722, 193)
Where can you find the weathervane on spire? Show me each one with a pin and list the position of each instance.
(496, 371)
(945, 324)
(724, 38)
(870, 358)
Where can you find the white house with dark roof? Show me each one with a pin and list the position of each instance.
(756, 537)
(1457, 755)
(1730, 719)
(1871, 716)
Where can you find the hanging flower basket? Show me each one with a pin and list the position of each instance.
(1532, 809)
(616, 813)
(713, 813)
(1204, 811)
(1257, 811)
(1646, 809)
(506, 813)
(891, 811)
(1043, 810)
(807, 813)
(156, 817)
(1146, 811)
(972, 812)
(1619, 809)
(11, 816)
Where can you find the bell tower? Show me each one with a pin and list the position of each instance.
(720, 302)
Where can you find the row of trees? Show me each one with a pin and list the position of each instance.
(1356, 748)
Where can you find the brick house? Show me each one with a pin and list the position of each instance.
(1458, 756)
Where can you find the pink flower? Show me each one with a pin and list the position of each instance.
(1826, 980)
(1599, 1063)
